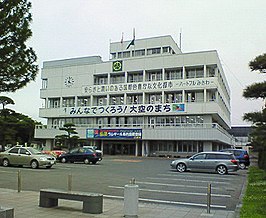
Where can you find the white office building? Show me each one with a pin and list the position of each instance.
(148, 99)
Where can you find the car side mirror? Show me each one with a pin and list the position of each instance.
(191, 158)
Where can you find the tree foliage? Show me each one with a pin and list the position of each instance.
(15, 127)
(259, 63)
(5, 101)
(255, 91)
(17, 60)
(68, 138)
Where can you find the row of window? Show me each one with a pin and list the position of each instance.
(183, 146)
(179, 146)
(155, 75)
(129, 99)
(143, 52)
(131, 121)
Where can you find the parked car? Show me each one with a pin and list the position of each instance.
(26, 156)
(98, 152)
(85, 155)
(219, 162)
(240, 154)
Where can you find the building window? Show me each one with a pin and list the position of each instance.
(113, 55)
(156, 75)
(211, 70)
(174, 74)
(100, 79)
(119, 55)
(53, 102)
(194, 72)
(138, 53)
(126, 54)
(211, 95)
(117, 78)
(173, 97)
(154, 98)
(68, 102)
(100, 100)
(134, 99)
(166, 49)
(135, 77)
(134, 121)
(194, 96)
(83, 101)
(44, 83)
(152, 51)
(116, 99)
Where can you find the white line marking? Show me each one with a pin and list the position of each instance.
(190, 180)
(176, 185)
(195, 176)
(169, 202)
(175, 192)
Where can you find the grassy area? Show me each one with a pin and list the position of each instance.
(254, 202)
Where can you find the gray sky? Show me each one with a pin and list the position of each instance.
(76, 28)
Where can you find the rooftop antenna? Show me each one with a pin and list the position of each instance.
(180, 39)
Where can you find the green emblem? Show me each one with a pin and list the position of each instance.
(117, 65)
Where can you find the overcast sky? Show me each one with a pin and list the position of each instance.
(76, 28)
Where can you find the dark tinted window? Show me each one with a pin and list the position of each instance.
(199, 157)
(237, 153)
(22, 151)
(75, 150)
(211, 156)
(14, 150)
(225, 157)
(220, 156)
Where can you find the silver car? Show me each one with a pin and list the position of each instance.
(26, 156)
(219, 162)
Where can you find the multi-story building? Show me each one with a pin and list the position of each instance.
(148, 99)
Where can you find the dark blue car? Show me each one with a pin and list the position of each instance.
(80, 155)
(240, 154)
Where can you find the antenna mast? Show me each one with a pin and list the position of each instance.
(180, 39)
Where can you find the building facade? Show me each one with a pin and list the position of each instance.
(149, 98)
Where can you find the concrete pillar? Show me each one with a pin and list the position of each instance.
(101, 148)
(143, 148)
(136, 150)
(131, 197)
(204, 95)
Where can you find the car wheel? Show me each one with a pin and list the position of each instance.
(242, 166)
(63, 160)
(86, 161)
(5, 162)
(94, 162)
(221, 170)
(48, 167)
(181, 167)
(34, 164)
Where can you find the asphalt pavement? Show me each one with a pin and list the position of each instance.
(26, 205)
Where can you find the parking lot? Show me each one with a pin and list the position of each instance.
(157, 182)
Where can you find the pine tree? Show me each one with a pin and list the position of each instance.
(17, 60)
(256, 91)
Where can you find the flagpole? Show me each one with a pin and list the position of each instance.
(122, 42)
(134, 35)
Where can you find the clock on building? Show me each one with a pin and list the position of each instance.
(117, 65)
(69, 81)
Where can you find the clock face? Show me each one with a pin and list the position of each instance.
(69, 81)
(117, 65)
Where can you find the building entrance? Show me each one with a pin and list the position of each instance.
(119, 149)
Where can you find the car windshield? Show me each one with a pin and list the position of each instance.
(34, 151)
